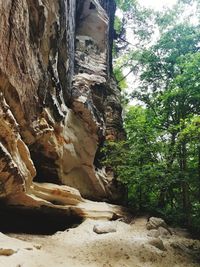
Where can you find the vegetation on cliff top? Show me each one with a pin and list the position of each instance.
(159, 163)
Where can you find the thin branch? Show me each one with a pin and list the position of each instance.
(123, 78)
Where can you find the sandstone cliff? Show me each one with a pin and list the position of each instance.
(58, 102)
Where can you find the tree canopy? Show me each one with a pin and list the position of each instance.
(159, 162)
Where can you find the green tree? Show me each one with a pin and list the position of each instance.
(160, 160)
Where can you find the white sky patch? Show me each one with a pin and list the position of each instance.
(157, 4)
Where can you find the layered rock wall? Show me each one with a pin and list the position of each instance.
(58, 101)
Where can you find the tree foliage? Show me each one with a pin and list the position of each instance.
(159, 163)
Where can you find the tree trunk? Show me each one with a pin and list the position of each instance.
(185, 185)
(162, 198)
(199, 170)
(140, 197)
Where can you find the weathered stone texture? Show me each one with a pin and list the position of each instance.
(58, 101)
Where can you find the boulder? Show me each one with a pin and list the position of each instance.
(163, 232)
(160, 232)
(155, 223)
(158, 243)
(104, 228)
(153, 233)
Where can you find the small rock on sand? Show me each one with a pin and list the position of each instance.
(38, 246)
(104, 228)
(7, 251)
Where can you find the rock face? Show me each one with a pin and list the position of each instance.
(58, 100)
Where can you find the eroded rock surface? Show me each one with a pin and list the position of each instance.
(58, 102)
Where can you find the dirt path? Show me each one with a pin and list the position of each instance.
(81, 247)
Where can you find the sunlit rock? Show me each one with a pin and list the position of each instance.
(58, 103)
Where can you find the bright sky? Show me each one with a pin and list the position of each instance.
(157, 4)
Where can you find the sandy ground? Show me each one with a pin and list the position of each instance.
(81, 247)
